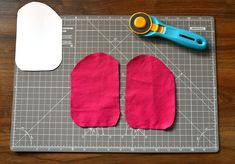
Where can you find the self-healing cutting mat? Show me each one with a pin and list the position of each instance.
(41, 105)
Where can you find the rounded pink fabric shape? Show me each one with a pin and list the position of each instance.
(95, 91)
(150, 94)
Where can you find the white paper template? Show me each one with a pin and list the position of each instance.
(39, 38)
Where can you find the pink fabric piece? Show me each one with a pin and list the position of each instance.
(95, 91)
(150, 94)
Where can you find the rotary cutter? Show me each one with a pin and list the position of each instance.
(148, 26)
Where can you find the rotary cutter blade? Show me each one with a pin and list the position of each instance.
(149, 26)
(140, 23)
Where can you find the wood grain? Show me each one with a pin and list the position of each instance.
(222, 10)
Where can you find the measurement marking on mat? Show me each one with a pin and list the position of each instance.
(197, 28)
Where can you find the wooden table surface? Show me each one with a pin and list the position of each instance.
(222, 10)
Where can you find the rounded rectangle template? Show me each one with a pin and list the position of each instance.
(39, 38)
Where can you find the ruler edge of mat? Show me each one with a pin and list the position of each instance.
(215, 149)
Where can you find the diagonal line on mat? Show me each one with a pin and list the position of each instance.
(197, 95)
(195, 86)
(195, 126)
(106, 38)
(120, 42)
(51, 109)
